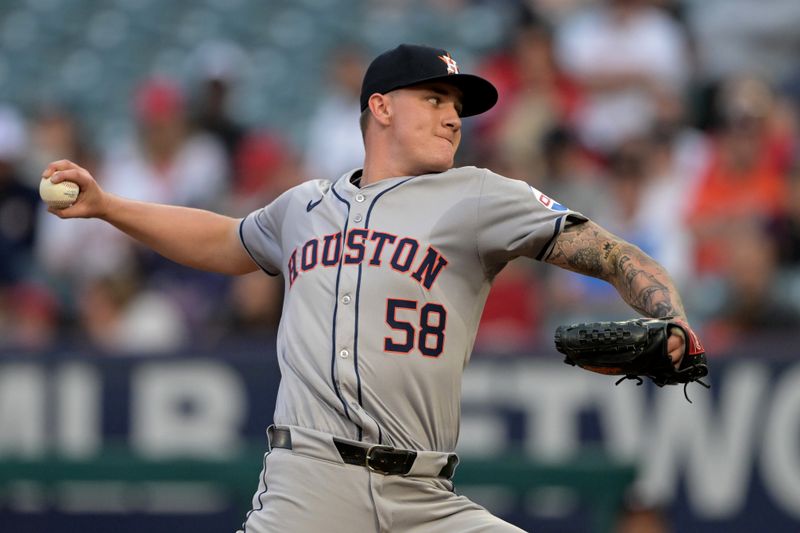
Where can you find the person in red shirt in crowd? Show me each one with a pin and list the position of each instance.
(746, 178)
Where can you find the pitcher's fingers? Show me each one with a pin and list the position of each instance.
(676, 346)
(675, 343)
(55, 166)
(57, 212)
(76, 210)
(78, 175)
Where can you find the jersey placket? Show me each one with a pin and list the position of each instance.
(346, 348)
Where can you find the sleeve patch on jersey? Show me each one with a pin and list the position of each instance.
(546, 201)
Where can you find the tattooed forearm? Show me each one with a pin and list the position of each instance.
(644, 285)
(576, 248)
(588, 261)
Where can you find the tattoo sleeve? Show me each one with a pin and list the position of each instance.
(588, 249)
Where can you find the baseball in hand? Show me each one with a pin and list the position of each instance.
(58, 195)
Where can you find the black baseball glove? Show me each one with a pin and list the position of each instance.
(633, 349)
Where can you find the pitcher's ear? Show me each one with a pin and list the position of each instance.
(381, 107)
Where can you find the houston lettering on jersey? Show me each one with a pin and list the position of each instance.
(370, 247)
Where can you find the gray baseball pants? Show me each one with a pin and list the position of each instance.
(310, 489)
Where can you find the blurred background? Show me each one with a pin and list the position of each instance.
(134, 393)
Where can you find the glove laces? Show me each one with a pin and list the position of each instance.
(639, 382)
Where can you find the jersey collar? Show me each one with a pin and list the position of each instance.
(345, 183)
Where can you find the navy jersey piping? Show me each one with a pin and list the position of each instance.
(260, 494)
(546, 247)
(335, 311)
(358, 300)
(246, 249)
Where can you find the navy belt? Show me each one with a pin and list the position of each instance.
(377, 457)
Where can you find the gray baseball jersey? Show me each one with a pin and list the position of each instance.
(384, 290)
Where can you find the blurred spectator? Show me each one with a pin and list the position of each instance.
(642, 199)
(334, 136)
(670, 159)
(30, 321)
(746, 176)
(750, 299)
(56, 134)
(536, 96)
(576, 180)
(631, 173)
(621, 209)
(217, 67)
(649, 202)
(71, 251)
(734, 36)
(787, 228)
(254, 304)
(623, 53)
(572, 176)
(118, 315)
(511, 318)
(265, 166)
(19, 199)
(166, 163)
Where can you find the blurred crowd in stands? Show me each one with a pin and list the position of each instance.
(673, 124)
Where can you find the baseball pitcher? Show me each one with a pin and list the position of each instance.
(387, 269)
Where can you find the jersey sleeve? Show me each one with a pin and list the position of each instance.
(260, 233)
(515, 219)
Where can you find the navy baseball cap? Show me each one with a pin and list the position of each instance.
(411, 64)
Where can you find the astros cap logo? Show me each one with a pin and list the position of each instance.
(452, 66)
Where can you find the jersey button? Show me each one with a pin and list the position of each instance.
(344, 354)
(360, 198)
(358, 218)
(346, 299)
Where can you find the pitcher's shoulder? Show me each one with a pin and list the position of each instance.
(467, 172)
(313, 186)
(464, 175)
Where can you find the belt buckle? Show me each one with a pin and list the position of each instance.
(368, 458)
